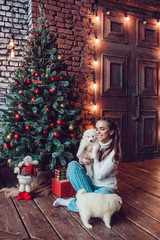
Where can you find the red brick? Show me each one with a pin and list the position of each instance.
(69, 42)
(59, 19)
(63, 30)
(53, 8)
(65, 10)
(60, 24)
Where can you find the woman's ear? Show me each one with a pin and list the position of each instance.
(111, 132)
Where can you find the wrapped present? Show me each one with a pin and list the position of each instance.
(62, 188)
(60, 174)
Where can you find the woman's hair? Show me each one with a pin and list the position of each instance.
(116, 141)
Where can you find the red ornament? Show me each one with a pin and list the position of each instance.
(73, 135)
(24, 80)
(37, 34)
(47, 25)
(18, 116)
(47, 109)
(56, 134)
(36, 74)
(36, 91)
(27, 127)
(42, 49)
(16, 136)
(51, 63)
(32, 99)
(63, 122)
(28, 81)
(45, 132)
(31, 43)
(72, 102)
(16, 83)
(59, 122)
(5, 145)
(52, 125)
(22, 65)
(52, 90)
(11, 144)
(20, 105)
(53, 79)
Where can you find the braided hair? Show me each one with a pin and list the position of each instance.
(115, 143)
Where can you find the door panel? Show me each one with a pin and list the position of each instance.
(128, 80)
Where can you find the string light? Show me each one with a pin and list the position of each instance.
(97, 18)
(158, 23)
(12, 54)
(95, 107)
(96, 63)
(11, 42)
(95, 86)
(127, 18)
(97, 40)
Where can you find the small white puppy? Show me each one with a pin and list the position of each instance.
(88, 147)
(97, 205)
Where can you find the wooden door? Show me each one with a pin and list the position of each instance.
(127, 76)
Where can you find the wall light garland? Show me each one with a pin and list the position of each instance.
(11, 41)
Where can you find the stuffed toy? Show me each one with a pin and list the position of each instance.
(88, 148)
(25, 172)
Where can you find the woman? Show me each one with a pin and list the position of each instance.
(104, 166)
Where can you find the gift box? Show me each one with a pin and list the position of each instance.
(62, 188)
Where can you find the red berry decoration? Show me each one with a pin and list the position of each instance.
(11, 144)
(47, 109)
(16, 83)
(56, 134)
(18, 116)
(32, 99)
(36, 74)
(36, 91)
(59, 122)
(5, 145)
(27, 127)
(52, 90)
(52, 125)
(73, 135)
(45, 132)
(16, 136)
(20, 105)
(51, 63)
(43, 49)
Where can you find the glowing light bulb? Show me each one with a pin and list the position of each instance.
(95, 85)
(158, 23)
(127, 19)
(12, 55)
(96, 63)
(97, 40)
(97, 18)
(95, 107)
(144, 22)
(11, 43)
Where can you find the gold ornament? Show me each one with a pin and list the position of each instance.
(9, 137)
(9, 161)
(46, 75)
(59, 57)
(62, 105)
(71, 127)
(20, 91)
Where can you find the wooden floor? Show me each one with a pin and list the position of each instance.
(139, 218)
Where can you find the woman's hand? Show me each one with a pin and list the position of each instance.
(86, 159)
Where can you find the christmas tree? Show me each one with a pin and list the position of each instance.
(41, 119)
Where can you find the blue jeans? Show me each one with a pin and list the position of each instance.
(79, 179)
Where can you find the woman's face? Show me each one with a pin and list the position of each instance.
(102, 131)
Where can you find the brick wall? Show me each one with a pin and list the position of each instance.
(15, 22)
(71, 22)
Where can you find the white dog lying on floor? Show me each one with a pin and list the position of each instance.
(97, 205)
(88, 148)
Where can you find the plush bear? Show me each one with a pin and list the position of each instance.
(88, 148)
(25, 172)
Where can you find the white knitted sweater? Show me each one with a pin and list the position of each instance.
(104, 171)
